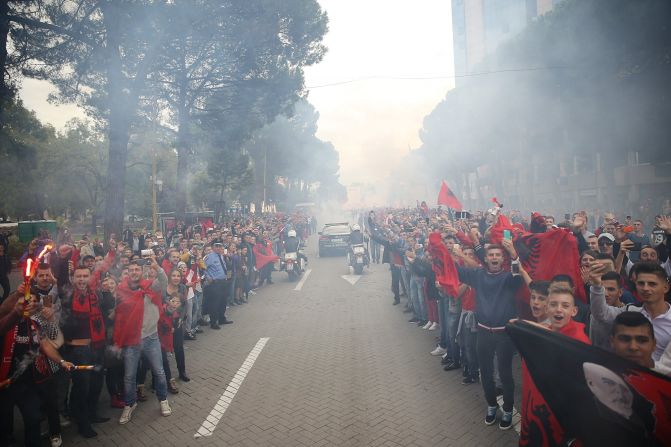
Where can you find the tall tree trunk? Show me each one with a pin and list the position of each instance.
(94, 223)
(183, 153)
(183, 141)
(5, 91)
(119, 124)
(4, 32)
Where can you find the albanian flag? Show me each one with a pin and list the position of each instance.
(443, 265)
(264, 254)
(596, 397)
(543, 255)
(552, 253)
(496, 231)
(447, 198)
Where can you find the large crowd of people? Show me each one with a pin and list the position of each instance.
(464, 276)
(91, 315)
(95, 315)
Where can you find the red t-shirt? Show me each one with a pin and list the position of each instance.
(468, 300)
(576, 331)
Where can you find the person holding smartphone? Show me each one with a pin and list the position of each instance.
(652, 285)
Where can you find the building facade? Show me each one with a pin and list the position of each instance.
(480, 26)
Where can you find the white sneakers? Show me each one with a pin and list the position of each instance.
(439, 351)
(127, 413)
(433, 326)
(427, 325)
(165, 408)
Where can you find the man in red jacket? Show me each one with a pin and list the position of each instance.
(136, 333)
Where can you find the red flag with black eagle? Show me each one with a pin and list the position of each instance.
(587, 396)
(263, 252)
(443, 265)
(543, 255)
(447, 198)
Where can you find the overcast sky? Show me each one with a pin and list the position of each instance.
(372, 123)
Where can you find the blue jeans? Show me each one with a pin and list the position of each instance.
(442, 314)
(197, 311)
(151, 348)
(417, 297)
(468, 341)
(405, 282)
(231, 293)
(453, 347)
(375, 251)
(188, 313)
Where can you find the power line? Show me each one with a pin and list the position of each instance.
(435, 78)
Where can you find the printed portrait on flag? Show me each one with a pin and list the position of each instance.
(598, 398)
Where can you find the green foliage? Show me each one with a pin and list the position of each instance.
(230, 68)
(20, 131)
(209, 73)
(22, 138)
(289, 148)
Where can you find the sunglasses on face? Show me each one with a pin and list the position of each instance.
(604, 244)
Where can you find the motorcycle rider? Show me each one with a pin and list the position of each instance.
(293, 245)
(357, 238)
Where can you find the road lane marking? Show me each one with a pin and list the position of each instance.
(299, 286)
(352, 279)
(212, 419)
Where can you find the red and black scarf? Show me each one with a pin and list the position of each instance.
(9, 343)
(86, 305)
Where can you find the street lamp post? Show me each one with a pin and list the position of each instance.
(155, 183)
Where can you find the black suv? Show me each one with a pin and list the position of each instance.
(334, 238)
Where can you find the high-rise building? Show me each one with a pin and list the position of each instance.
(480, 26)
(557, 182)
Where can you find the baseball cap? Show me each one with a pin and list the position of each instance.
(608, 236)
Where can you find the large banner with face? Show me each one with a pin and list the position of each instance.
(598, 398)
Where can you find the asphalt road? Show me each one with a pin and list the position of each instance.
(331, 364)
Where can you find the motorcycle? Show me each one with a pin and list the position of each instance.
(358, 258)
(292, 264)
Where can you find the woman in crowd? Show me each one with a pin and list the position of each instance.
(114, 367)
(188, 279)
(171, 327)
